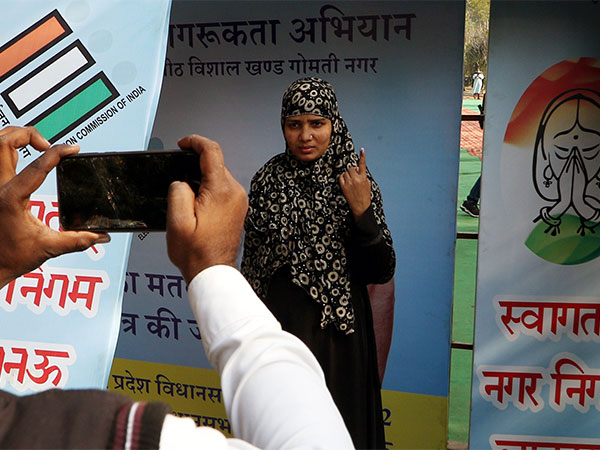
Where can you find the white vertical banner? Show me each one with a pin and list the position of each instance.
(81, 72)
(537, 329)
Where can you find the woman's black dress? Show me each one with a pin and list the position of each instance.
(310, 261)
(349, 361)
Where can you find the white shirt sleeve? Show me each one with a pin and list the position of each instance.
(181, 433)
(273, 387)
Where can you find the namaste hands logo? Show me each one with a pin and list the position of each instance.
(566, 162)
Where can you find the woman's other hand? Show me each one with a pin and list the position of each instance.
(356, 187)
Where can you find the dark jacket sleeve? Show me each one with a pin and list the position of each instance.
(373, 259)
(85, 418)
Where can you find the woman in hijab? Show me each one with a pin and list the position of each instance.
(315, 237)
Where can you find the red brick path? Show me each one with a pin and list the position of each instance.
(471, 135)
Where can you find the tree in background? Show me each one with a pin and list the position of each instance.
(476, 38)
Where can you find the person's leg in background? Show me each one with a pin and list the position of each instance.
(471, 204)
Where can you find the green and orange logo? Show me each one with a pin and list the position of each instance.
(563, 107)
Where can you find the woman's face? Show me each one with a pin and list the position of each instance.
(307, 136)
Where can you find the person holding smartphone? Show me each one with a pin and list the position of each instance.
(273, 388)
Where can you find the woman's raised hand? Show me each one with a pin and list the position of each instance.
(356, 187)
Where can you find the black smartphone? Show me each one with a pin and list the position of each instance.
(121, 191)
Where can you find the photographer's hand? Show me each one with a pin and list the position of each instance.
(26, 242)
(204, 231)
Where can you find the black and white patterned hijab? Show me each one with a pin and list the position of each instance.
(299, 216)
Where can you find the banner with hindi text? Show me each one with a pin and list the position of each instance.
(537, 327)
(396, 67)
(87, 73)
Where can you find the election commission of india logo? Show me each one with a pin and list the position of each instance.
(35, 66)
(557, 122)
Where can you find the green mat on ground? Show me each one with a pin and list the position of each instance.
(460, 395)
(464, 300)
(471, 104)
(469, 171)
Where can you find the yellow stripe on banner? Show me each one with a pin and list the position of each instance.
(190, 392)
(414, 421)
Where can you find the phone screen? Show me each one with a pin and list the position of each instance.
(121, 191)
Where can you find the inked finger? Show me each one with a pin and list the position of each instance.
(362, 161)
